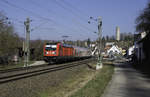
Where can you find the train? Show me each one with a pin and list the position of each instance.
(60, 52)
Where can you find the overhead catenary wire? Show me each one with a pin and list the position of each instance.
(74, 14)
(73, 20)
(76, 9)
(48, 10)
(43, 7)
(33, 13)
(82, 14)
(40, 25)
(71, 8)
(15, 20)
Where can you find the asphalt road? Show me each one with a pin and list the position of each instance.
(127, 82)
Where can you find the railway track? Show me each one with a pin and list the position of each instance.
(21, 68)
(16, 74)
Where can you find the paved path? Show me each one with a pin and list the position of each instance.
(127, 82)
(38, 63)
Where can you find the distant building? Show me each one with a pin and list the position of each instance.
(111, 48)
(94, 49)
(130, 50)
(92, 45)
(143, 34)
(109, 44)
(117, 33)
(114, 49)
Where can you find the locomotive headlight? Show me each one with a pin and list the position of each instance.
(53, 52)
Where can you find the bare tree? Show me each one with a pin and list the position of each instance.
(9, 40)
(143, 21)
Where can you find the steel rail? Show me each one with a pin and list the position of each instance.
(26, 74)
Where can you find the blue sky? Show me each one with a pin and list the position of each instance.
(52, 19)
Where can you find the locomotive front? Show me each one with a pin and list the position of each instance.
(50, 51)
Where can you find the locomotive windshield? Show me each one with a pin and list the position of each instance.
(50, 47)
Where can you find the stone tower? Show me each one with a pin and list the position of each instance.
(117, 33)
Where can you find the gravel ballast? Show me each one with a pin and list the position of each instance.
(34, 86)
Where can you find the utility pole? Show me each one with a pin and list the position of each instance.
(26, 45)
(99, 43)
(99, 63)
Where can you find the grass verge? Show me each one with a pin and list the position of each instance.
(96, 86)
(14, 65)
(82, 82)
(76, 78)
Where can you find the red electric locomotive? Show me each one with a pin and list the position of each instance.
(56, 52)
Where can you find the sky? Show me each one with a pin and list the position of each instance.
(53, 19)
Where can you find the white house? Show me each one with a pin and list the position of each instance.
(109, 44)
(130, 50)
(114, 49)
